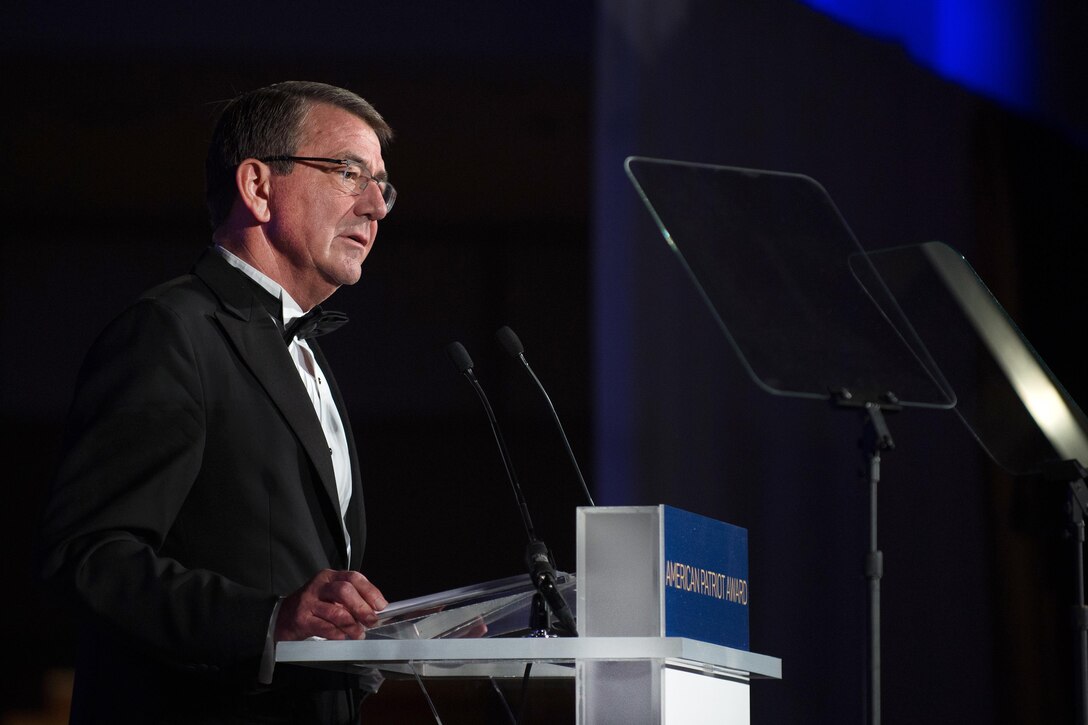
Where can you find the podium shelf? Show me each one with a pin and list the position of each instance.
(681, 652)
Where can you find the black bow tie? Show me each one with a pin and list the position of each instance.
(313, 323)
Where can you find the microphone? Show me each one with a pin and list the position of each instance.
(538, 558)
(513, 346)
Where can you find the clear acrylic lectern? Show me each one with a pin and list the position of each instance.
(629, 673)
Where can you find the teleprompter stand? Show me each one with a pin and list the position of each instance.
(1010, 401)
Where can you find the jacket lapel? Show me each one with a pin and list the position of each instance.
(257, 338)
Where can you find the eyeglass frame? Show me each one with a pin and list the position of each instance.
(366, 178)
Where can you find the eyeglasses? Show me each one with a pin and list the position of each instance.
(352, 175)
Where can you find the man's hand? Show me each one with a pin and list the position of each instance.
(333, 605)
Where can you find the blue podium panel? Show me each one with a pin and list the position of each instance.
(705, 579)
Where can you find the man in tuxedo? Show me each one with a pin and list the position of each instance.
(207, 503)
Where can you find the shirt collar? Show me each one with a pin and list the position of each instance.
(289, 308)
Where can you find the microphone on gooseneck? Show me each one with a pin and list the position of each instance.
(512, 344)
(537, 556)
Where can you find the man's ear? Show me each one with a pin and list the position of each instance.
(254, 179)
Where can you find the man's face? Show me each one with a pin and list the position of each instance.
(321, 231)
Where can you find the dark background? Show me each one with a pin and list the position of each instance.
(512, 121)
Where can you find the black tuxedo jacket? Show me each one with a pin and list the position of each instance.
(195, 488)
